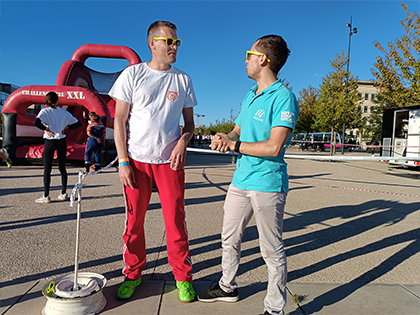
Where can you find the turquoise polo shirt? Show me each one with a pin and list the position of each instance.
(275, 106)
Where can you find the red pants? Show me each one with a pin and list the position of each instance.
(171, 187)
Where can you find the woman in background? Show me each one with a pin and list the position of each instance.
(54, 121)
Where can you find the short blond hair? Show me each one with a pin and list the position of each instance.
(155, 27)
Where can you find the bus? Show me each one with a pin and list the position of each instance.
(317, 141)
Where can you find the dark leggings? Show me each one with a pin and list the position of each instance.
(50, 147)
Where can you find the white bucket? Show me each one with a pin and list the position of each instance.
(87, 300)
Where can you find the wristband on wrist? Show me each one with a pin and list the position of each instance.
(123, 160)
(124, 164)
(237, 145)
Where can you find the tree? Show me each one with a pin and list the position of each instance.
(307, 100)
(374, 126)
(337, 102)
(223, 126)
(397, 72)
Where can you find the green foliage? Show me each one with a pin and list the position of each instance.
(224, 126)
(374, 126)
(307, 100)
(337, 102)
(397, 73)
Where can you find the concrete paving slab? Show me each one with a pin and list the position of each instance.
(145, 300)
(355, 298)
(251, 298)
(23, 298)
(9, 295)
(413, 288)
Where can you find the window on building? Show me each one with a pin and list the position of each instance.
(366, 96)
(365, 109)
(372, 97)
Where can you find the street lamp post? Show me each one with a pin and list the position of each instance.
(198, 116)
(353, 30)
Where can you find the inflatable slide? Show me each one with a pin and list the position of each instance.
(81, 90)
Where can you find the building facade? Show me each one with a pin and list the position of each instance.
(367, 94)
(5, 90)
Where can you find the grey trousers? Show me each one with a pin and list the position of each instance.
(268, 209)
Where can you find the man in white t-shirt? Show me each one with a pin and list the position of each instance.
(150, 98)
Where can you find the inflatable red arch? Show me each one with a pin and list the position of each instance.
(80, 90)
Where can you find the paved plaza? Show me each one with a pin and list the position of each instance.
(351, 231)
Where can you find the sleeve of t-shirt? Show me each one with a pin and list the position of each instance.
(123, 87)
(285, 111)
(238, 120)
(190, 99)
(70, 119)
(41, 114)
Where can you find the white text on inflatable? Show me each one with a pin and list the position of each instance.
(75, 95)
(40, 93)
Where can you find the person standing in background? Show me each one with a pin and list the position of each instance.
(95, 132)
(54, 121)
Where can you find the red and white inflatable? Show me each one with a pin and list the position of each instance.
(80, 90)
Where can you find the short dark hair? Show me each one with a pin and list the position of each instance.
(275, 48)
(94, 115)
(51, 98)
(155, 26)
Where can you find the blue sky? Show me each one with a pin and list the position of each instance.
(36, 37)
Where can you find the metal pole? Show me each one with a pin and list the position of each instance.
(79, 205)
(353, 30)
(348, 53)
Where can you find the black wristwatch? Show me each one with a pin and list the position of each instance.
(237, 145)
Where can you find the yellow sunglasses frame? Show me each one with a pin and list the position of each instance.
(250, 52)
(176, 41)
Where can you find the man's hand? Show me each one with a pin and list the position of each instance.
(222, 143)
(178, 156)
(127, 176)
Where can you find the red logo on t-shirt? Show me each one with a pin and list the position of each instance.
(172, 96)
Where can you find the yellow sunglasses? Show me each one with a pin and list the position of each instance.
(249, 53)
(170, 41)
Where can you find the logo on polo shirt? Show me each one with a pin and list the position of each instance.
(259, 114)
(288, 116)
(172, 95)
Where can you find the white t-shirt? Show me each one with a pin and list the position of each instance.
(157, 100)
(56, 119)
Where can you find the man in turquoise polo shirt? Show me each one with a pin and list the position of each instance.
(260, 183)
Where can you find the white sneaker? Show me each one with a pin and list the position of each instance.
(43, 200)
(63, 197)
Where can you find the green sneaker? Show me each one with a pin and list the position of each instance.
(186, 291)
(127, 288)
